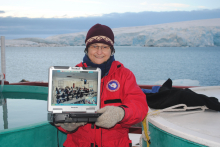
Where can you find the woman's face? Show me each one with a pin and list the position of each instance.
(99, 52)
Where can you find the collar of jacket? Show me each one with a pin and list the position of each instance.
(115, 66)
(105, 67)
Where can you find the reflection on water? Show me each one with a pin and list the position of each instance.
(21, 109)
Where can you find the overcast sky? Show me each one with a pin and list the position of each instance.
(43, 18)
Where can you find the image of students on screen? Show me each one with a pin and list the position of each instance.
(77, 96)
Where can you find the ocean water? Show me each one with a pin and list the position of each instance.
(13, 115)
(193, 66)
(185, 66)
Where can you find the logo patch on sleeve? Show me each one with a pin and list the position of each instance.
(113, 85)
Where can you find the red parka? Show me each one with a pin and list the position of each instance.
(127, 95)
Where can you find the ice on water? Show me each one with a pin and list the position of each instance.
(196, 33)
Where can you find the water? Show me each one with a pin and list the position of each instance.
(150, 65)
(20, 109)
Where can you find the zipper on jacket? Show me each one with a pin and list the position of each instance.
(92, 145)
(118, 65)
(92, 125)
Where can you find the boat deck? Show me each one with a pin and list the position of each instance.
(199, 127)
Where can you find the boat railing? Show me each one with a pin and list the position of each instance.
(135, 130)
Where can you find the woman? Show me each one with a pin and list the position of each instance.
(123, 104)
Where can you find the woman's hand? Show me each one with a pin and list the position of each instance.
(70, 126)
(110, 116)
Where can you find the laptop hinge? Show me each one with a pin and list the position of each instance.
(90, 111)
(57, 111)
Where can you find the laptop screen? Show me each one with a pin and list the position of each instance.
(73, 88)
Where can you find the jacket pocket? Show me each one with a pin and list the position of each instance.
(79, 143)
(118, 143)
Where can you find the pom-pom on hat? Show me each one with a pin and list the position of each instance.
(99, 34)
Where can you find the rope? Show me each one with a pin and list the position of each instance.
(146, 133)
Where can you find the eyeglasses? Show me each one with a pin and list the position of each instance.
(103, 48)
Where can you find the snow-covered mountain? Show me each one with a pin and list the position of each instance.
(197, 33)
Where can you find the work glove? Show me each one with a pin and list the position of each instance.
(110, 116)
(70, 126)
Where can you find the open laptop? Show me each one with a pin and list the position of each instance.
(73, 94)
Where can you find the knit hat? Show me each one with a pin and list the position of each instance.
(99, 34)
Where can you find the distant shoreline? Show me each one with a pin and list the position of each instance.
(196, 33)
(118, 46)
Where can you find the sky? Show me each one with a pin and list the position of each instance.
(86, 8)
(43, 18)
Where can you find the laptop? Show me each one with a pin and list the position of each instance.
(73, 94)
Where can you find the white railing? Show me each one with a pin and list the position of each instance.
(3, 71)
(3, 68)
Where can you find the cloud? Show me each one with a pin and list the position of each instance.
(144, 3)
(43, 27)
(176, 5)
(202, 7)
(80, 1)
(165, 4)
(2, 11)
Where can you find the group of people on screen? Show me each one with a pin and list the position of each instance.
(67, 93)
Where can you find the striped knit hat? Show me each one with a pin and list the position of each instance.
(100, 34)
